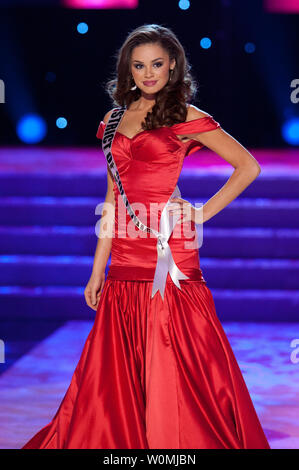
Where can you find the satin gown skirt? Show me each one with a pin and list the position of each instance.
(155, 374)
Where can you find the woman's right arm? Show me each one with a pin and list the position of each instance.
(96, 282)
(104, 243)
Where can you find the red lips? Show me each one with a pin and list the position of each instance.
(150, 83)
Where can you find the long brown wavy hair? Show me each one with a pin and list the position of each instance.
(171, 101)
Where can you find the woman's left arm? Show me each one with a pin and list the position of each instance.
(246, 170)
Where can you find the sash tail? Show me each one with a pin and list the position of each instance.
(165, 262)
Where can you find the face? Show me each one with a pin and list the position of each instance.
(150, 66)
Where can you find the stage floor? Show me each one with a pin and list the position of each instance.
(32, 388)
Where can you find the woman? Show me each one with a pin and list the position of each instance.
(157, 370)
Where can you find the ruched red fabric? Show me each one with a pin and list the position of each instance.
(154, 373)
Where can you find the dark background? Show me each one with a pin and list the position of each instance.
(249, 94)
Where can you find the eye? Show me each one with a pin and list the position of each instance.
(158, 64)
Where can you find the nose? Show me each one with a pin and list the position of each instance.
(148, 72)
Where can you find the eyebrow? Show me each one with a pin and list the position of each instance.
(152, 60)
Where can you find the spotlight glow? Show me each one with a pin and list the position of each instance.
(184, 4)
(249, 47)
(61, 122)
(290, 131)
(31, 128)
(82, 28)
(50, 77)
(205, 43)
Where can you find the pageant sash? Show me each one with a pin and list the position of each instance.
(165, 261)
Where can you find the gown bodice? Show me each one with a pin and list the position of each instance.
(149, 166)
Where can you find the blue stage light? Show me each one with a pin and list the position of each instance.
(184, 4)
(290, 131)
(31, 128)
(205, 43)
(82, 28)
(50, 77)
(61, 122)
(249, 47)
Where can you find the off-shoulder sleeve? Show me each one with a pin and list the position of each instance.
(195, 126)
(100, 130)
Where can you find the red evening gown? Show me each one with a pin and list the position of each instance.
(154, 373)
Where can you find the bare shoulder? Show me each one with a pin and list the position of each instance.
(107, 116)
(195, 113)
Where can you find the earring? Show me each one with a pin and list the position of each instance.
(170, 74)
(134, 86)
